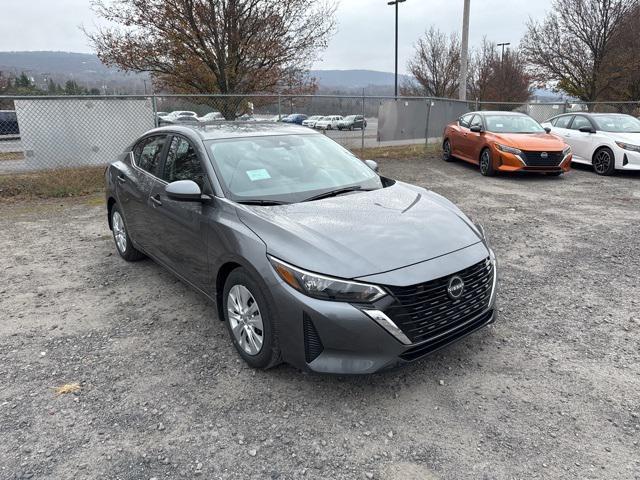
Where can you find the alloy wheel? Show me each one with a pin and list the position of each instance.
(245, 319)
(446, 150)
(119, 231)
(485, 160)
(602, 162)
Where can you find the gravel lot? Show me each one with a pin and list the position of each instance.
(550, 391)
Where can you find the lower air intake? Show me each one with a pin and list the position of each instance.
(312, 344)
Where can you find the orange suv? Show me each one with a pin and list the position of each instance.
(505, 142)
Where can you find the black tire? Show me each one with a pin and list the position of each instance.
(446, 151)
(269, 354)
(486, 163)
(118, 227)
(604, 161)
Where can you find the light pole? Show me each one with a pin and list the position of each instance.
(503, 45)
(464, 52)
(396, 2)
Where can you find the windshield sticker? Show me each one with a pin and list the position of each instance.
(255, 175)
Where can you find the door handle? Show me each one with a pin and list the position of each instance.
(122, 178)
(156, 200)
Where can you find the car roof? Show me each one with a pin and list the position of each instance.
(235, 129)
(498, 112)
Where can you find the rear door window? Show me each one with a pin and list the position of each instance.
(148, 153)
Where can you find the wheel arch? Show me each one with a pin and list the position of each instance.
(110, 203)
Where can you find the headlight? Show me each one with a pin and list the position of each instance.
(566, 151)
(627, 146)
(507, 149)
(326, 288)
(482, 231)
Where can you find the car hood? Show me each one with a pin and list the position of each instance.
(632, 138)
(364, 233)
(531, 142)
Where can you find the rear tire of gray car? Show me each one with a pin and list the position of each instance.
(250, 320)
(121, 237)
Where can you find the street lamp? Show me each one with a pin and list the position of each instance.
(503, 45)
(396, 2)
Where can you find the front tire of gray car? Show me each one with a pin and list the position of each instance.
(249, 320)
(121, 237)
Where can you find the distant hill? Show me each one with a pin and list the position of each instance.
(84, 68)
(89, 71)
(355, 78)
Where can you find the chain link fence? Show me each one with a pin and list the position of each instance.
(50, 132)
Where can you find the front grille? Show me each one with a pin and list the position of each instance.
(425, 310)
(312, 344)
(535, 159)
(425, 348)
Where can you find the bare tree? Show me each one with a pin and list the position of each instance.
(623, 64)
(215, 46)
(573, 45)
(435, 65)
(481, 66)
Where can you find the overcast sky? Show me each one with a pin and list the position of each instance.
(365, 38)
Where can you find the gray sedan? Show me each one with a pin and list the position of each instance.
(310, 255)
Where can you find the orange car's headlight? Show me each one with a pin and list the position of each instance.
(508, 149)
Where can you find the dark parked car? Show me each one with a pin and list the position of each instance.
(352, 122)
(8, 123)
(296, 118)
(311, 256)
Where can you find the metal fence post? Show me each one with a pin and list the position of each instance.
(565, 106)
(426, 132)
(364, 119)
(477, 105)
(279, 107)
(154, 106)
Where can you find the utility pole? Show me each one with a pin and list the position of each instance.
(503, 45)
(464, 54)
(396, 2)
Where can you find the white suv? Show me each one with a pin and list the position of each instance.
(328, 123)
(607, 141)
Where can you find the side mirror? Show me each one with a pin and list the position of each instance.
(372, 165)
(476, 129)
(184, 190)
(547, 129)
(586, 129)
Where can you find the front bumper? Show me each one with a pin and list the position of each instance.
(340, 338)
(627, 160)
(508, 162)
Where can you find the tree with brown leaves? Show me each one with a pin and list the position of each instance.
(215, 46)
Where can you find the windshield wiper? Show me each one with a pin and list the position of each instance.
(333, 193)
(263, 203)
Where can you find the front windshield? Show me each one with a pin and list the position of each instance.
(287, 168)
(512, 124)
(617, 123)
